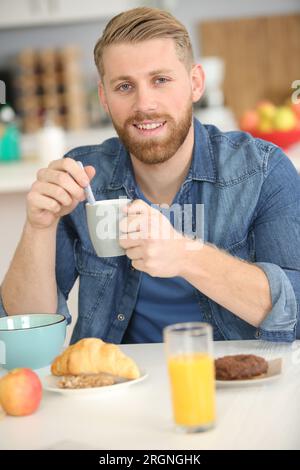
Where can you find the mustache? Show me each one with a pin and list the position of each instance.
(140, 117)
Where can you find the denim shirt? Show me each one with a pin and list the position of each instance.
(251, 196)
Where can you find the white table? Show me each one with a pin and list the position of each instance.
(139, 417)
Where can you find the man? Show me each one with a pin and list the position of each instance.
(243, 277)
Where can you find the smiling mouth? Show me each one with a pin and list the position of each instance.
(149, 127)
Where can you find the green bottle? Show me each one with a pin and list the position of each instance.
(9, 135)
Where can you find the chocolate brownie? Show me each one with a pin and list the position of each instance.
(240, 366)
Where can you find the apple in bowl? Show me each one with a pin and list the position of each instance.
(277, 124)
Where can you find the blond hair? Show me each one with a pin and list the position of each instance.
(141, 24)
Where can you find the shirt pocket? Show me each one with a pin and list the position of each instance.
(96, 276)
(89, 264)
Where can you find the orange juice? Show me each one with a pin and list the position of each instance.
(193, 388)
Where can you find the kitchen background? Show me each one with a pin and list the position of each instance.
(250, 51)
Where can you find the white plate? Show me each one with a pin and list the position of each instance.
(50, 383)
(274, 372)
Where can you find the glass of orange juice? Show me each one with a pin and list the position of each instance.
(192, 375)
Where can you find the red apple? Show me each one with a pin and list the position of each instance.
(249, 121)
(298, 125)
(296, 108)
(20, 392)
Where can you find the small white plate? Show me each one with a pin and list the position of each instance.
(50, 383)
(273, 373)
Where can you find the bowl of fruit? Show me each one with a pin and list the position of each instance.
(277, 124)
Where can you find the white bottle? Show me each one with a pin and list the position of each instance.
(51, 143)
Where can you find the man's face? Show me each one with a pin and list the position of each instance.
(148, 93)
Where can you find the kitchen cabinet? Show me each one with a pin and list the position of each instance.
(262, 63)
(27, 12)
(38, 12)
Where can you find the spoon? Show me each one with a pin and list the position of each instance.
(88, 190)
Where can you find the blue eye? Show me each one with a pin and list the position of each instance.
(124, 87)
(162, 80)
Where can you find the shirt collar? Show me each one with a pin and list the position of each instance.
(201, 169)
(203, 165)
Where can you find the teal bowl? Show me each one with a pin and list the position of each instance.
(31, 340)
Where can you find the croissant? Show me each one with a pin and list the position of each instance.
(94, 356)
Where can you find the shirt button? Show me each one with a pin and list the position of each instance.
(121, 317)
(257, 334)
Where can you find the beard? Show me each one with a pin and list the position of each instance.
(153, 150)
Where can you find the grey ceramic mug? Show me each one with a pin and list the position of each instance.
(103, 223)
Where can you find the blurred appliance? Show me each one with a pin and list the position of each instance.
(9, 135)
(6, 75)
(210, 109)
(50, 141)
